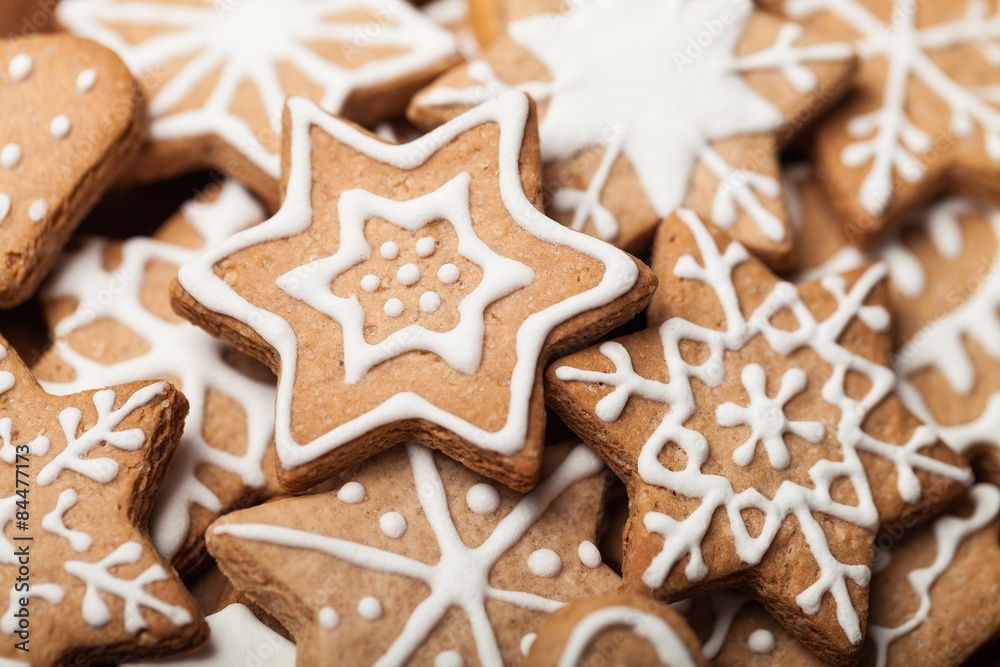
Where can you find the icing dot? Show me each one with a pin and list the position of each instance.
(389, 250)
(425, 246)
(370, 283)
(449, 659)
(370, 609)
(527, 642)
(59, 127)
(430, 302)
(38, 210)
(392, 524)
(4, 206)
(351, 493)
(329, 618)
(408, 274)
(589, 555)
(544, 563)
(393, 307)
(760, 641)
(448, 273)
(10, 156)
(483, 499)
(86, 80)
(20, 67)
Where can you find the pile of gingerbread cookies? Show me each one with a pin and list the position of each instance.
(499, 332)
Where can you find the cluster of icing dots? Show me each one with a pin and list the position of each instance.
(11, 154)
(409, 274)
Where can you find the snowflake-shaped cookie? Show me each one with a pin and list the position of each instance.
(633, 95)
(794, 527)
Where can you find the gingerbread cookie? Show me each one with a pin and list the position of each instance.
(944, 271)
(217, 73)
(924, 117)
(412, 294)
(621, 629)
(771, 404)
(417, 560)
(72, 121)
(82, 578)
(109, 309)
(453, 15)
(238, 638)
(934, 599)
(630, 134)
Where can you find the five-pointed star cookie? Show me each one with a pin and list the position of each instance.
(417, 560)
(647, 105)
(80, 576)
(756, 428)
(108, 306)
(411, 294)
(72, 120)
(925, 115)
(217, 73)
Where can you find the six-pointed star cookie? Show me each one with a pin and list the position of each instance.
(79, 575)
(411, 294)
(217, 74)
(926, 112)
(418, 561)
(756, 429)
(650, 104)
(72, 120)
(108, 291)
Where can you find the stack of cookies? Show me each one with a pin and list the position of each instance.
(499, 332)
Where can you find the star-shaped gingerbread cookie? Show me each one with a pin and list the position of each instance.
(417, 560)
(80, 473)
(926, 113)
(755, 426)
(217, 73)
(72, 121)
(411, 294)
(693, 111)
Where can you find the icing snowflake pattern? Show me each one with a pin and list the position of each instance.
(200, 370)
(684, 537)
(246, 42)
(649, 37)
(472, 590)
(888, 140)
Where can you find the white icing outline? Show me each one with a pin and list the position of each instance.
(669, 647)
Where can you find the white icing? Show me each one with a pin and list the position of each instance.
(760, 641)
(10, 156)
(887, 141)
(425, 246)
(100, 582)
(725, 605)
(462, 346)
(392, 524)
(60, 126)
(460, 577)
(244, 44)
(117, 296)
(4, 206)
(604, 57)
(544, 563)
(54, 522)
(449, 659)
(351, 493)
(483, 498)
(370, 609)
(589, 554)
(20, 67)
(669, 647)
(238, 638)
(683, 537)
(527, 642)
(510, 114)
(949, 532)
(38, 210)
(430, 302)
(39, 446)
(328, 618)
(389, 250)
(51, 593)
(448, 273)
(370, 283)
(85, 80)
